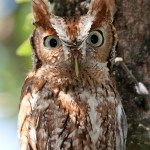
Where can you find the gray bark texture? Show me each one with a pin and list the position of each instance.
(132, 22)
(133, 26)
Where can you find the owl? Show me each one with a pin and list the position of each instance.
(69, 100)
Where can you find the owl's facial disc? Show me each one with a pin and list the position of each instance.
(74, 35)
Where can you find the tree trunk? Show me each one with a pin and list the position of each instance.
(133, 26)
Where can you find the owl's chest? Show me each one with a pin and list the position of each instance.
(78, 118)
(82, 116)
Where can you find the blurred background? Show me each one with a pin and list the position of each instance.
(15, 28)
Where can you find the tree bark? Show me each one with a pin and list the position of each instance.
(132, 22)
(133, 26)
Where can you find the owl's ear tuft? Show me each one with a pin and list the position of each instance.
(41, 13)
(102, 9)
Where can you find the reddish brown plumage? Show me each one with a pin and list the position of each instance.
(58, 109)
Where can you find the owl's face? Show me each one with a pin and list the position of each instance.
(73, 42)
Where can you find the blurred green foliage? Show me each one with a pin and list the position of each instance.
(21, 1)
(24, 49)
(15, 56)
(25, 27)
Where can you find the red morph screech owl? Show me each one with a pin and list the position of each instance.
(69, 100)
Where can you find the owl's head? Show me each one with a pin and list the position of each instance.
(74, 42)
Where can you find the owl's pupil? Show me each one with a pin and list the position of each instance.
(53, 42)
(94, 39)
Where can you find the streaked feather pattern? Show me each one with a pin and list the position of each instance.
(62, 111)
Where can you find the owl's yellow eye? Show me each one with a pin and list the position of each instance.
(95, 38)
(52, 41)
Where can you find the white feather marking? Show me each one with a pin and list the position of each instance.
(66, 51)
(111, 99)
(66, 97)
(24, 143)
(73, 134)
(44, 135)
(86, 147)
(57, 130)
(85, 26)
(32, 133)
(67, 144)
(59, 25)
(121, 127)
(93, 103)
(33, 100)
(75, 142)
(119, 141)
(83, 48)
(22, 113)
(119, 112)
(58, 141)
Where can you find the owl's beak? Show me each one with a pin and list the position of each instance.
(76, 66)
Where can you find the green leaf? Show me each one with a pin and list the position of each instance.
(22, 1)
(24, 25)
(28, 26)
(24, 49)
